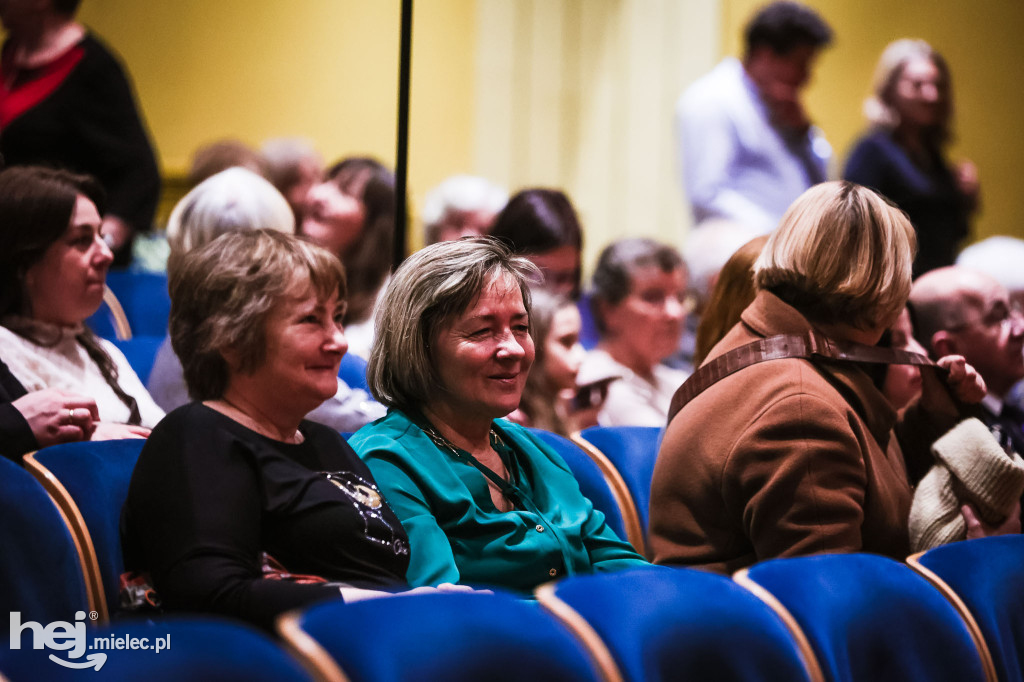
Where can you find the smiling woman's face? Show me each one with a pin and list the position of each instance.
(484, 355)
(305, 344)
(66, 285)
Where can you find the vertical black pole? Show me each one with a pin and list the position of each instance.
(402, 151)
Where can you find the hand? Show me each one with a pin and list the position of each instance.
(963, 380)
(56, 416)
(966, 176)
(111, 431)
(976, 528)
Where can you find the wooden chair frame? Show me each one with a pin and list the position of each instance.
(122, 329)
(581, 630)
(620, 491)
(810, 659)
(79, 533)
(961, 608)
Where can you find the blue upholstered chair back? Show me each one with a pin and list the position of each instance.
(665, 624)
(202, 649)
(988, 577)
(871, 619)
(40, 570)
(353, 371)
(140, 351)
(592, 482)
(589, 335)
(632, 450)
(145, 300)
(96, 477)
(456, 637)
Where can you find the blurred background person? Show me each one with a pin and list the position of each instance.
(219, 155)
(638, 296)
(53, 268)
(969, 313)
(734, 290)
(542, 225)
(240, 474)
(294, 166)
(65, 101)
(1001, 257)
(236, 200)
(550, 399)
(903, 155)
(461, 206)
(351, 213)
(484, 501)
(746, 145)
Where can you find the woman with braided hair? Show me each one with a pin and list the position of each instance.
(52, 273)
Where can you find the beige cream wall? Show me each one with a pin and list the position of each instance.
(322, 69)
(981, 39)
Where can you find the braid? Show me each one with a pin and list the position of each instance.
(103, 360)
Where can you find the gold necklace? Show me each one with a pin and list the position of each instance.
(251, 423)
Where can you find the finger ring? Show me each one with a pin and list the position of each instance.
(71, 413)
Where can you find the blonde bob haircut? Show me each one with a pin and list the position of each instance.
(232, 200)
(222, 294)
(841, 255)
(425, 295)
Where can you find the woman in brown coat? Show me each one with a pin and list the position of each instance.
(791, 457)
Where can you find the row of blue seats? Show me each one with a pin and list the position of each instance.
(956, 612)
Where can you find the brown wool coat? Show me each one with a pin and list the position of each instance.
(783, 458)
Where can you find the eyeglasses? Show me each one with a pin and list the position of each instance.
(1001, 315)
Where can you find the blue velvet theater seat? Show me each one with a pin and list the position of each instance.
(456, 637)
(632, 450)
(868, 618)
(667, 624)
(41, 574)
(986, 579)
(89, 481)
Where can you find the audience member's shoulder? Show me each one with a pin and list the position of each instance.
(393, 427)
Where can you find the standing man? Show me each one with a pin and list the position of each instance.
(747, 147)
(959, 311)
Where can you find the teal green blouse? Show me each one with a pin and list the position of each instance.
(455, 532)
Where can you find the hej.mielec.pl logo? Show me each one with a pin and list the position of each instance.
(72, 638)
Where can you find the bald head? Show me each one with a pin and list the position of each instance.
(959, 311)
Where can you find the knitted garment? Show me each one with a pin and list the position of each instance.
(970, 467)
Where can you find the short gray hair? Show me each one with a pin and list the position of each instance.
(233, 200)
(430, 289)
(459, 193)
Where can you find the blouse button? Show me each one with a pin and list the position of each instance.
(553, 572)
(540, 528)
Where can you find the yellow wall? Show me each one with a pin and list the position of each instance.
(323, 69)
(980, 40)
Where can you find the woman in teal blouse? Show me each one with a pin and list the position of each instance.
(483, 501)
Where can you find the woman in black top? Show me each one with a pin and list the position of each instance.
(255, 319)
(903, 156)
(65, 101)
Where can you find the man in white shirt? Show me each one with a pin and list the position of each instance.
(746, 145)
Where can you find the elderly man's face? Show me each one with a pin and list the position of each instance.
(991, 335)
